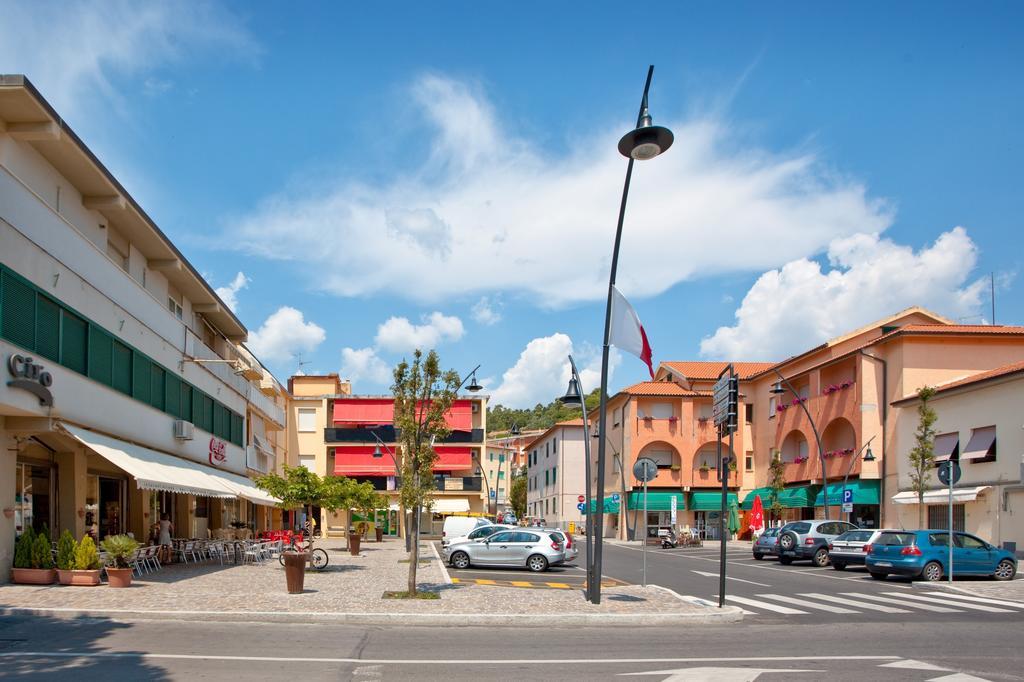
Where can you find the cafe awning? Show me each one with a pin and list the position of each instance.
(940, 496)
(789, 498)
(657, 500)
(450, 505)
(246, 489)
(709, 501)
(865, 491)
(153, 470)
(610, 506)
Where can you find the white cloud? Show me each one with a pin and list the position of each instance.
(798, 306)
(505, 213)
(72, 51)
(399, 335)
(363, 364)
(542, 372)
(229, 293)
(487, 311)
(284, 335)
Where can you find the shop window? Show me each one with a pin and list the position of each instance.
(307, 420)
(938, 517)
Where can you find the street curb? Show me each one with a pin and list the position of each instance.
(444, 569)
(490, 620)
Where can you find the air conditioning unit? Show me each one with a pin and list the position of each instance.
(476, 407)
(183, 430)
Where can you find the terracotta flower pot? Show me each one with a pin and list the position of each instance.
(33, 576)
(353, 543)
(295, 571)
(64, 576)
(88, 577)
(380, 533)
(119, 577)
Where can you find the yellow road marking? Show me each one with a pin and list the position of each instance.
(521, 583)
(561, 585)
(456, 580)
(482, 581)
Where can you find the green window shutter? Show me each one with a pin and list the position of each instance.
(140, 377)
(100, 363)
(156, 386)
(121, 378)
(73, 342)
(185, 405)
(172, 395)
(218, 420)
(237, 429)
(197, 407)
(47, 328)
(19, 312)
(207, 413)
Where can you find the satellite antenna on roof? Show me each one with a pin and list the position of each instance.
(299, 372)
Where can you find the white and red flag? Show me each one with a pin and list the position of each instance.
(626, 331)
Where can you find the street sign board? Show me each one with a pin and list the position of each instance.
(494, 494)
(725, 403)
(581, 499)
(847, 507)
(672, 511)
(645, 469)
(847, 496)
(944, 471)
(581, 506)
(615, 497)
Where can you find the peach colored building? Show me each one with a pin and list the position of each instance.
(850, 385)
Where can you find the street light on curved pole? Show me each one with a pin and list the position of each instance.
(644, 142)
(868, 457)
(574, 395)
(778, 390)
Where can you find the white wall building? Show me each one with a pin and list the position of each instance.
(555, 475)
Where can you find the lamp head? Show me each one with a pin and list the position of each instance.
(869, 456)
(473, 385)
(377, 453)
(572, 394)
(514, 431)
(646, 141)
(777, 388)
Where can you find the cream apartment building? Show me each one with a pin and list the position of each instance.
(556, 465)
(128, 393)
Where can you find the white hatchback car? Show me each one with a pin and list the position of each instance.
(478, 533)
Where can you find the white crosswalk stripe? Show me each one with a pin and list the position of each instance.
(831, 608)
(758, 604)
(982, 600)
(963, 605)
(854, 602)
(891, 600)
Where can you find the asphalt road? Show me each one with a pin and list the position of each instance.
(800, 593)
(42, 648)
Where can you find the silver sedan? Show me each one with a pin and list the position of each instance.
(534, 549)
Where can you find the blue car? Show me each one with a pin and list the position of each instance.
(924, 554)
(766, 544)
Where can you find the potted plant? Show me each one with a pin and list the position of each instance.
(119, 549)
(33, 562)
(65, 557)
(87, 564)
(704, 469)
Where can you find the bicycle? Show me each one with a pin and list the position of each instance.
(318, 559)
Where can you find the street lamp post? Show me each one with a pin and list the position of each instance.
(644, 142)
(868, 457)
(778, 390)
(573, 395)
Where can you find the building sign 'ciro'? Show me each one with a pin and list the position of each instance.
(218, 451)
(32, 377)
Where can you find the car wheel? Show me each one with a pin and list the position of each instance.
(1005, 570)
(879, 576)
(787, 542)
(537, 563)
(785, 560)
(758, 556)
(460, 560)
(821, 558)
(932, 572)
(838, 565)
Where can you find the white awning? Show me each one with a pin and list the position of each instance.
(246, 489)
(450, 505)
(940, 496)
(153, 470)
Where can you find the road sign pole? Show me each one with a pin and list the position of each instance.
(949, 468)
(646, 531)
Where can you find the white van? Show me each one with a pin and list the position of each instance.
(456, 526)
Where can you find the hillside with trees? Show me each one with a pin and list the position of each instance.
(501, 418)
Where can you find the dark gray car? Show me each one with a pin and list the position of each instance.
(809, 540)
(766, 544)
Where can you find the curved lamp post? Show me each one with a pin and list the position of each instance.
(646, 141)
(868, 457)
(777, 389)
(573, 396)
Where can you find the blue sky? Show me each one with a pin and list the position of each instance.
(445, 173)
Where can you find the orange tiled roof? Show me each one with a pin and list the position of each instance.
(1012, 368)
(661, 388)
(711, 370)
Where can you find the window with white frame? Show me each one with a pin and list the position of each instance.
(771, 407)
(663, 458)
(308, 461)
(307, 420)
(660, 410)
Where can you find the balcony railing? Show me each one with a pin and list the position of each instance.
(453, 484)
(266, 405)
(259, 459)
(389, 434)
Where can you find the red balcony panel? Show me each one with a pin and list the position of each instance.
(452, 458)
(460, 417)
(375, 411)
(358, 460)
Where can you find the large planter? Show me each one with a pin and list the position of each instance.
(86, 577)
(380, 534)
(295, 571)
(64, 576)
(33, 576)
(353, 543)
(119, 577)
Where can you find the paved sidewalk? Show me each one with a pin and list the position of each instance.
(1010, 590)
(350, 590)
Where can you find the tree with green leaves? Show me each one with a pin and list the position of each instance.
(423, 395)
(922, 455)
(517, 496)
(776, 484)
(300, 487)
(540, 417)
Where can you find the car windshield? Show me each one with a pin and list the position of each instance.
(797, 527)
(770, 533)
(855, 536)
(896, 539)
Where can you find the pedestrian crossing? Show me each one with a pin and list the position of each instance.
(903, 603)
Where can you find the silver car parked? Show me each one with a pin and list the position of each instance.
(535, 549)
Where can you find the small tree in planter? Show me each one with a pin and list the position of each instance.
(87, 564)
(65, 557)
(33, 562)
(119, 549)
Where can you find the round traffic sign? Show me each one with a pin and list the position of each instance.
(645, 469)
(615, 497)
(944, 473)
(581, 506)
(581, 499)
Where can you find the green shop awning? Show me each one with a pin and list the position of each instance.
(789, 498)
(609, 506)
(864, 492)
(657, 500)
(711, 501)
